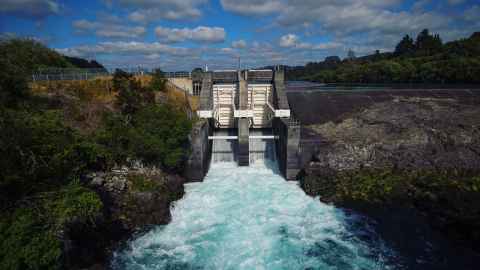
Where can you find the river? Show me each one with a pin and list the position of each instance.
(251, 218)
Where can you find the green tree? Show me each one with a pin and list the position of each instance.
(129, 98)
(405, 47)
(428, 44)
(159, 81)
(13, 83)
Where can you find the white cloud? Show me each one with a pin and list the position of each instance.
(288, 41)
(239, 44)
(293, 41)
(199, 34)
(125, 48)
(252, 7)
(145, 11)
(35, 9)
(121, 32)
(341, 18)
(108, 29)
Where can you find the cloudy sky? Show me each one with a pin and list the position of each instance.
(182, 34)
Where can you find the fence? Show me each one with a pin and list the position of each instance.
(68, 74)
(73, 74)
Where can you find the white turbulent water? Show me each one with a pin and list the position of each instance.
(251, 218)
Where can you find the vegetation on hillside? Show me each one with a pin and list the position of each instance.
(47, 152)
(425, 60)
(450, 198)
(82, 63)
(30, 55)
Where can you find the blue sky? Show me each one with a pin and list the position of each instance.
(182, 34)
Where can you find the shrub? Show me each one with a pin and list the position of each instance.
(158, 81)
(162, 135)
(42, 152)
(131, 94)
(156, 134)
(13, 85)
(29, 235)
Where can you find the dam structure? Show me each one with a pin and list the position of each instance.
(242, 111)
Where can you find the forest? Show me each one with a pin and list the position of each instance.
(425, 59)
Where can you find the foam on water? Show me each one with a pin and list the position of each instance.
(251, 218)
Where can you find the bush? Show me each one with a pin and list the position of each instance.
(131, 94)
(29, 235)
(162, 135)
(13, 85)
(155, 134)
(42, 153)
(158, 81)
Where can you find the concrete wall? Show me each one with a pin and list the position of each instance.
(287, 147)
(201, 151)
(184, 83)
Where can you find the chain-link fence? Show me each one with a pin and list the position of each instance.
(73, 74)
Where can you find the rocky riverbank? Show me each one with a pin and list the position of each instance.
(134, 197)
(407, 154)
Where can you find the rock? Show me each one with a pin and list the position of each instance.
(410, 133)
(120, 184)
(97, 181)
(437, 136)
(125, 211)
(116, 183)
(91, 175)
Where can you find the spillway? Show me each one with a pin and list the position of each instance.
(251, 218)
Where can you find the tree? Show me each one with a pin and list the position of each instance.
(158, 81)
(129, 98)
(13, 83)
(405, 47)
(332, 60)
(428, 44)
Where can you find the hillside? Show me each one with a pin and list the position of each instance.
(89, 162)
(425, 60)
(30, 55)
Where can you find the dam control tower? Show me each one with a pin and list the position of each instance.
(242, 111)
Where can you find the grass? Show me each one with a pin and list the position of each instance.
(96, 90)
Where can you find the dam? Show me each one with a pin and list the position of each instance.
(242, 110)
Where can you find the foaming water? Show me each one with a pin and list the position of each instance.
(251, 218)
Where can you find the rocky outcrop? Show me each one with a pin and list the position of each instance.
(134, 198)
(419, 153)
(405, 133)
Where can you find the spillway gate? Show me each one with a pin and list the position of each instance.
(244, 108)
